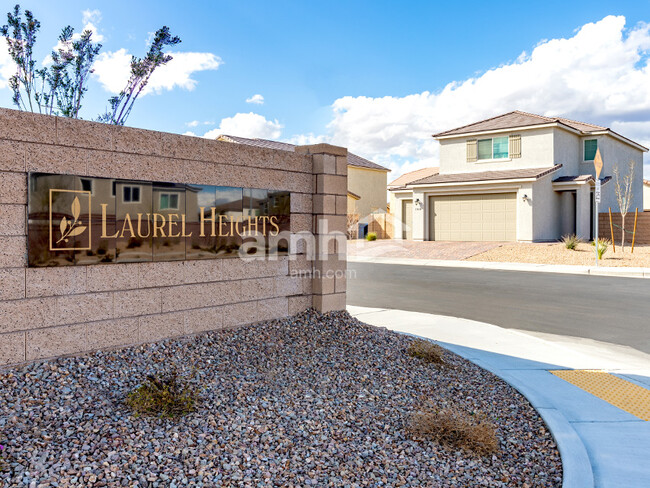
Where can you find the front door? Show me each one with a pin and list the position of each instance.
(407, 219)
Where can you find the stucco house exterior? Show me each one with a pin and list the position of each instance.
(516, 177)
(366, 180)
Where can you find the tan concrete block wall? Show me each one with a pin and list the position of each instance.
(49, 312)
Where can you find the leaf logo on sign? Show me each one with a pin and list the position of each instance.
(71, 228)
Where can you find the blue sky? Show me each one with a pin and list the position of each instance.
(376, 76)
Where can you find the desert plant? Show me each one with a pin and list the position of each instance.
(371, 236)
(166, 396)
(455, 428)
(427, 351)
(602, 246)
(624, 194)
(571, 241)
(352, 225)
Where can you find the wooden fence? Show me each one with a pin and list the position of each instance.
(642, 227)
(381, 224)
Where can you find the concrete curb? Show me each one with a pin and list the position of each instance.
(577, 470)
(529, 267)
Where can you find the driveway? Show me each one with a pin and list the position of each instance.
(397, 248)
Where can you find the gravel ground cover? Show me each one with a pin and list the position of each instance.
(556, 253)
(313, 400)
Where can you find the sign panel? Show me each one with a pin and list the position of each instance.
(598, 163)
(597, 191)
(77, 220)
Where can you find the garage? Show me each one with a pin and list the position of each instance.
(481, 217)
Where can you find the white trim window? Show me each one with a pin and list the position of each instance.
(169, 201)
(493, 148)
(131, 194)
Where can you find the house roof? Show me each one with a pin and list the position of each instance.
(515, 174)
(418, 174)
(353, 159)
(574, 179)
(353, 195)
(646, 182)
(516, 119)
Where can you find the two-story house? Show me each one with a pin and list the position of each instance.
(516, 177)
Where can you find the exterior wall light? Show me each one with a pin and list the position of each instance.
(525, 197)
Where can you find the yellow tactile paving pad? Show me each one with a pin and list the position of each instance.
(623, 394)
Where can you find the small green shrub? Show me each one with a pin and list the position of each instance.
(571, 241)
(168, 396)
(456, 428)
(372, 236)
(427, 351)
(603, 244)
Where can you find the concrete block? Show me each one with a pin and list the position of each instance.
(301, 223)
(299, 265)
(342, 165)
(274, 308)
(290, 161)
(89, 307)
(322, 149)
(324, 164)
(47, 158)
(12, 283)
(112, 333)
(12, 220)
(203, 319)
(238, 314)
(163, 273)
(26, 126)
(331, 184)
(330, 224)
(77, 133)
(105, 164)
(256, 289)
(13, 188)
(112, 277)
(246, 268)
(137, 141)
(137, 302)
(288, 285)
(13, 252)
(341, 205)
(27, 314)
(202, 271)
(325, 204)
(161, 326)
(299, 304)
(182, 147)
(329, 303)
(12, 348)
(68, 280)
(200, 295)
(12, 156)
(56, 341)
(301, 203)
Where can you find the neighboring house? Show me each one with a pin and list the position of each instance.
(406, 204)
(646, 194)
(516, 177)
(366, 180)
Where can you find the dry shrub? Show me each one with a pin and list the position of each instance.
(168, 396)
(456, 428)
(428, 351)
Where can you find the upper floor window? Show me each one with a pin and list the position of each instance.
(493, 148)
(591, 146)
(169, 201)
(131, 194)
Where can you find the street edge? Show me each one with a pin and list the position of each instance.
(577, 470)
(608, 271)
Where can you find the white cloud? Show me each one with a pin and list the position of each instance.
(7, 65)
(194, 123)
(599, 75)
(257, 99)
(112, 69)
(90, 19)
(306, 139)
(250, 125)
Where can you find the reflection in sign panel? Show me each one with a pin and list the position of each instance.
(79, 220)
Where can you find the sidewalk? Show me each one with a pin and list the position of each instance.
(601, 445)
(544, 268)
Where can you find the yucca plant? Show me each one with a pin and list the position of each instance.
(571, 241)
(603, 244)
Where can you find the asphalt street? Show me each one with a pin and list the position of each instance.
(609, 309)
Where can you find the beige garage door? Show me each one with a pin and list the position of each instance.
(487, 217)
